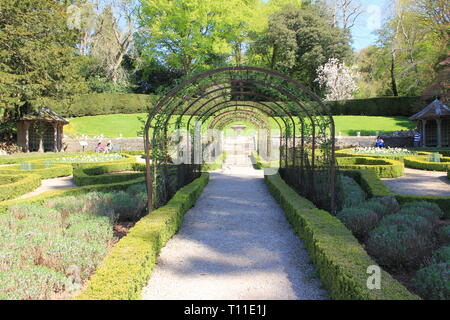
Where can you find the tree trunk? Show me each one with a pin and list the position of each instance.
(393, 81)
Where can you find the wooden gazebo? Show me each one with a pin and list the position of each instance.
(434, 124)
(41, 131)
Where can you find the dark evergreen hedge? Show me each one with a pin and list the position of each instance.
(111, 103)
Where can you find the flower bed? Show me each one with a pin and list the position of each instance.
(423, 163)
(385, 153)
(384, 168)
(92, 158)
(51, 249)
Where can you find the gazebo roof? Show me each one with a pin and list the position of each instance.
(44, 114)
(435, 110)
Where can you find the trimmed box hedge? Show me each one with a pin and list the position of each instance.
(339, 258)
(56, 170)
(422, 163)
(374, 187)
(70, 192)
(84, 175)
(125, 271)
(14, 186)
(217, 164)
(384, 168)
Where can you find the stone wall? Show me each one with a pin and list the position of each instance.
(119, 144)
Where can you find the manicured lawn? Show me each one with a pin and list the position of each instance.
(129, 125)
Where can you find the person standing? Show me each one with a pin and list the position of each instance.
(417, 137)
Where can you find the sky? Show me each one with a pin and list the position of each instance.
(369, 22)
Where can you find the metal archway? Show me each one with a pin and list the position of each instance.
(307, 138)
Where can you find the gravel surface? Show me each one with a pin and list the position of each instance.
(420, 182)
(234, 244)
(51, 185)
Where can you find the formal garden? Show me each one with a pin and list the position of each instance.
(152, 150)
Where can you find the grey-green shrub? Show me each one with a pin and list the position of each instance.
(433, 282)
(350, 193)
(429, 206)
(359, 220)
(398, 246)
(441, 255)
(31, 283)
(418, 223)
(390, 202)
(431, 215)
(376, 207)
(443, 235)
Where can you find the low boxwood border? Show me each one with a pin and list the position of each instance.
(384, 168)
(217, 164)
(55, 171)
(339, 258)
(70, 192)
(84, 175)
(374, 187)
(422, 163)
(19, 185)
(126, 269)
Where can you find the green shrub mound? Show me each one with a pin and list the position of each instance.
(217, 164)
(339, 258)
(422, 163)
(384, 168)
(443, 235)
(425, 205)
(125, 271)
(14, 186)
(430, 215)
(91, 174)
(359, 220)
(441, 255)
(417, 223)
(433, 282)
(349, 192)
(398, 246)
(377, 206)
(375, 188)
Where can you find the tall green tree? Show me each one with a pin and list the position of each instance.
(37, 55)
(298, 41)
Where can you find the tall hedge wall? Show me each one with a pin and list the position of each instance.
(384, 106)
(102, 103)
(108, 103)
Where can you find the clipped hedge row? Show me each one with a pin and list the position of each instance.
(55, 171)
(84, 175)
(384, 106)
(124, 272)
(422, 163)
(384, 168)
(217, 164)
(101, 103)
(14, 186)
(374, 187)
(339, 258)
(39, 199)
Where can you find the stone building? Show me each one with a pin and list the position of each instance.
(41, 131)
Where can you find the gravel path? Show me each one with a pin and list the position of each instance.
(51, 185)
(420, 182)
(234, 244)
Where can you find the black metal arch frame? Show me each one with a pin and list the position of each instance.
(307, 131)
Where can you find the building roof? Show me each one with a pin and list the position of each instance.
(45, 114)
(435, 110)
